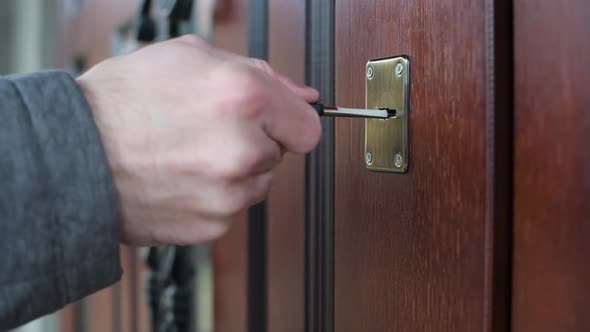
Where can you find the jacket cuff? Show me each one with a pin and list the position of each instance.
(75, 242)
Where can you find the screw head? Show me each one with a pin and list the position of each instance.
(399, 69)
(368, 158)
(398, 160)
(370, 72)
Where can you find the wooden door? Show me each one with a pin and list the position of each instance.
(285, 215)
(488, 229)
(425, 250)
(552, 167)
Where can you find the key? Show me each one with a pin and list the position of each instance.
(383, 113)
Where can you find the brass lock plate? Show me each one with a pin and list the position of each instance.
(387, 140)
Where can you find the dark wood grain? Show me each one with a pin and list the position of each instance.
(230, 252)
(552, 166)
(415, 252)
(286, 201)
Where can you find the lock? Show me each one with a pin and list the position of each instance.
(387, 140)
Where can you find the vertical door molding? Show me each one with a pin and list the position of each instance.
(286, 202)
(319, 175)
(257, 255)
(500, 100)
(230, 253)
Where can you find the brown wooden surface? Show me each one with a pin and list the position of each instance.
(229, 272)
(99, 311)
(67, 317)
(286, 210)
(552, 166)
(132, 296)
(413, 252)
(112, 309)
(230, 252)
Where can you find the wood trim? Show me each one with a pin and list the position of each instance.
(257, 256)
(230, 254)
(257, 289)
(117, 307)
(500, 163)
(319, 175)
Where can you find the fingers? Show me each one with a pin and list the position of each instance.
(253, 98)
(292, 122)
(235, 197)
(212, 221)
(260, 188)
(309, 94)
(284, 108)
(246, 151)
(290, 118)
(287, 117)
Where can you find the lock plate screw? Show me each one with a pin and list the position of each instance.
(368, 158)
(370, 72)
(398, 160)
(399, 69)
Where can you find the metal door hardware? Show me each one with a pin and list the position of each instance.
(353, 112)
(387, 140)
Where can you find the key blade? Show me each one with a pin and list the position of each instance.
(357, 113)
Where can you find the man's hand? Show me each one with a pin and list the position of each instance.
(192, 134)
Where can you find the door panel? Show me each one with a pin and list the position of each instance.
(552, 166)
(414, 252)
(286, 200)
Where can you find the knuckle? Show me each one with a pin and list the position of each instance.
(229, 170)
(240, 163)
(216, 231)
(249, 159)
(192, 40)
(246, 160)
(231, 204)
(262, 65)
(266, 185)
(246, 94)
(201, 231)
(311, 135)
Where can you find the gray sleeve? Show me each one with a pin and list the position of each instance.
(58, 216)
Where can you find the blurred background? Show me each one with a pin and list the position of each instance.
(163, 289)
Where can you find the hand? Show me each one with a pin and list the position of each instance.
(192, 134)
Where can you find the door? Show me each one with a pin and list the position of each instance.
(424, 250)
(487, 230)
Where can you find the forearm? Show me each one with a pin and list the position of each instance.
(58, 232)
